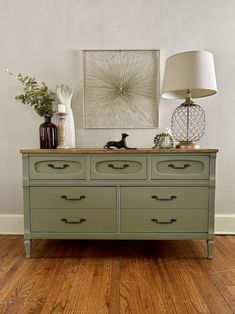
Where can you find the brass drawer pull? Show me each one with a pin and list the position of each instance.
(73, 222)
(58, 167)
(65, 197)
(115, 167)
(176, 167)
(163, 222)
(172, 197)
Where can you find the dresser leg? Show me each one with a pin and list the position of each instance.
(27, 245)
(210, 247)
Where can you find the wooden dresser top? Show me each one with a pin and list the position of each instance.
(116, 151)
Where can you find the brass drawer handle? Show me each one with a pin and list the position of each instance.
(115, 167)
(65, 197)
(58, 167)
(73, 222)
(172, 197)
(176, 167)
(163, 222)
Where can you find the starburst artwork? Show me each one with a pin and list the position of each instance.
(121, 88)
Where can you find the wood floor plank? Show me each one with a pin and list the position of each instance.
(225, 283)
(223, 277)
(126, 285)
(82, 290)
(203, 279)
(117, 277)
(69, 266)
(175, 286)
(26, 275)
(143, 285)
(11, 252)
(104, 298)
(159, 291)
(75, 291)
(114, 297)
(29, 307)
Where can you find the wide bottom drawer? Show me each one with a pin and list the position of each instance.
(164, 220)
(73, 220)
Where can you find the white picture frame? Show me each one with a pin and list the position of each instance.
(121, 88)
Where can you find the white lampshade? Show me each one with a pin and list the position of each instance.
(192, 70)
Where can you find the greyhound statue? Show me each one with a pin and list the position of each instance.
(118, 144)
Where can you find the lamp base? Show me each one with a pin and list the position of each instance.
(188, 145)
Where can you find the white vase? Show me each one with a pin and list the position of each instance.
(70, 128)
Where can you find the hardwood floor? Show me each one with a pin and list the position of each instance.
(117, 277)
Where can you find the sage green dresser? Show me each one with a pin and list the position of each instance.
(119, 194)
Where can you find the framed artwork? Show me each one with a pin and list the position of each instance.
(121, 88)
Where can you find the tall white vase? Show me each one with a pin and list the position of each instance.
(70, 128)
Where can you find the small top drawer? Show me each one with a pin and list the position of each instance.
(180, 167)
(118, 167)
(57, 167)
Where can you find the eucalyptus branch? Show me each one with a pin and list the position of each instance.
(34, 95)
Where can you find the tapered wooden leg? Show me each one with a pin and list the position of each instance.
(27, 245)
(210, 247)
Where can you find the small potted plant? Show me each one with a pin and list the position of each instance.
(164, 140)
(41, 99)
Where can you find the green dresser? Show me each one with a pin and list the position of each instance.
(119, 194)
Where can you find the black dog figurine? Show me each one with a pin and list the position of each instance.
(118, 144)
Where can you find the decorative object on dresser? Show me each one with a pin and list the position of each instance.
(118, 144)
(121, 88)
(48, 134)
(189, 75)
(164, 140)
(62, 130)
(64, 94)
(41, 99)
(119, 194)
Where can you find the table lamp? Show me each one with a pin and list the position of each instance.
(189, 75)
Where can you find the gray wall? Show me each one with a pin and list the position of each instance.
(40, 38)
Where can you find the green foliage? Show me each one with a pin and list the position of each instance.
(38, 97)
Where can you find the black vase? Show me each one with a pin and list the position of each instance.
(48, 134)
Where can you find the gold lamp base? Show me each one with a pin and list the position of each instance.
(188, 145)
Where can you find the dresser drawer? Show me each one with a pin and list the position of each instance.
(73, 220)
(164, 197)
(53, 167)
(118, 167)
(73, 197)
(164, 220)
(180, 167)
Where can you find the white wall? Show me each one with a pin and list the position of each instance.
(39, 38)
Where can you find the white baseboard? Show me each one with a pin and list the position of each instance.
(225, 223)
(14, 224)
